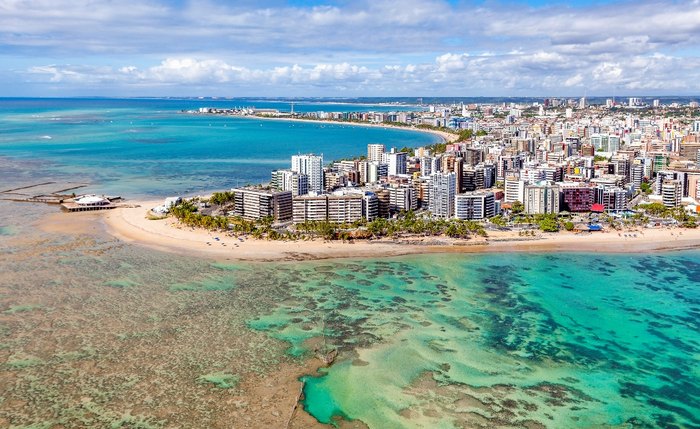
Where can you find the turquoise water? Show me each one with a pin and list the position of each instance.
(497, 340)
(147, 147)
(571, 340)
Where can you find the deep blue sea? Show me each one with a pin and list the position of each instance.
(95, 332)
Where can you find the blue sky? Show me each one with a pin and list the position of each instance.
(349, 48)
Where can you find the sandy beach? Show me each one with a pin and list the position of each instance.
(132, 225)
(445, 136)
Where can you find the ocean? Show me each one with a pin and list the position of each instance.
(95, 332)
(147, 147)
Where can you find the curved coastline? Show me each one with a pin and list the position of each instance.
(130, 224)
(445, 136)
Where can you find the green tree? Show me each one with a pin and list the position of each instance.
(549, 224)
(221, 198)
(517, 207)
(498, 220)
(645, 188)
(654, 209)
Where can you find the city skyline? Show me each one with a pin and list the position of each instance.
(333, 49)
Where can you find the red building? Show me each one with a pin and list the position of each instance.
(578, 199)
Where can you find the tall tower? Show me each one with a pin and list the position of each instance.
(375, 152)
(442, 195)
(311, 165)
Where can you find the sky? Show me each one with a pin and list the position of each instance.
(349, 48)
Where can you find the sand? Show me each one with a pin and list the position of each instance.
(445, 136)
(131, 225)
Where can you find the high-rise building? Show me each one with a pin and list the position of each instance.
(458, 168)
(333, 180)
(637, 175)
(577, 199)
(288, 180)
(383, 201)
(514, 189)
(310, 208)
(475, 205)
(442, 194)
(425, 166)
(605, 142)
(612, 198)
(333, 208)
(541, 199)
(370, 206)
(258, 203)
(375, 152)
(402, 199)
(665, 175)
(345, 208)
(396, 163)
(696, 127)
(312, 166)
(671, 193)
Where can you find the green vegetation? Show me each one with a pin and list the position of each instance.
(599, 158)
(465, 135)
(549, 223)
(437, 148)
(409, 223)
(654, 209)
(23, 361)
(569, 226)
(221, 198)
(679, 214)
(645, 188)
(405, 223)
(517, 207)
(408, 150)
(22, 308)
(186, 212)
(221, 380)
(499, 220)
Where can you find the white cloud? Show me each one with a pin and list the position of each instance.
(426, 46)
(539, 72)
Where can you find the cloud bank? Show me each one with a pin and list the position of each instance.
(365, 48)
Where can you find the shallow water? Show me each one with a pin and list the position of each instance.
(502, 339)
(92, 329)
(508, 340)
(147, 147)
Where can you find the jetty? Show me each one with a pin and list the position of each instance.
(57, 193)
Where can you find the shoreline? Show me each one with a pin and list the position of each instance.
(445, 136)
(131, 225)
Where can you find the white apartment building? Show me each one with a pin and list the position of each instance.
(514, 189)
(542, 199)
(375, 152)
(475, 205)
(312, 166)
(442, 194)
